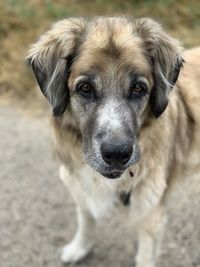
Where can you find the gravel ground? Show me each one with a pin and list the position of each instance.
(37, 215)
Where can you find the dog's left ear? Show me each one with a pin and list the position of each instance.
(163, 52)
(51, 58)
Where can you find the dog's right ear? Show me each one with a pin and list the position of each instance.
(51, 58)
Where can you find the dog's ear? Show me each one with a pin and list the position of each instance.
(51, 58)
(163, 52)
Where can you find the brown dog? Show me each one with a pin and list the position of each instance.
(110, 81)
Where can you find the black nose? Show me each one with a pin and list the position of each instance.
(116, 153)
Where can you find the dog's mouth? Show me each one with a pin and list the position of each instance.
(113, 174)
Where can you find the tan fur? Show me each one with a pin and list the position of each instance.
(175, 134)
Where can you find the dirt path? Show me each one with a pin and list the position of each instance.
(37, 214)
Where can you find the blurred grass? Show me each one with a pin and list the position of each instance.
(22, 21)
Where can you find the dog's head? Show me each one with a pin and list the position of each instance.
(111, 72)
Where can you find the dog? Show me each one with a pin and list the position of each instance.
(125, 128)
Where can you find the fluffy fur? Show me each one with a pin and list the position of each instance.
(114, 54)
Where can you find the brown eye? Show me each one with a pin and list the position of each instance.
(137, 90)
(86, 90)
(86, 87)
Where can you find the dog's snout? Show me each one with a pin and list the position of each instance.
(116, 153)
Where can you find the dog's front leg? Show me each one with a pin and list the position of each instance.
(150, 233)
(83, 241)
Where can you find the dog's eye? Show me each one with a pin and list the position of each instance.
(86, 90)
(137, 90)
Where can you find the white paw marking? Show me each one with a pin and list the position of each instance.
(74, 252)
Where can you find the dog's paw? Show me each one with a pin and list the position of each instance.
(73, 252)
(145, 265)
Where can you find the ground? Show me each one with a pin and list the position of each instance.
(37, 215)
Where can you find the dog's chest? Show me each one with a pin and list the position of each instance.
(102, 194)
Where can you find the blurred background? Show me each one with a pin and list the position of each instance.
(37, 215)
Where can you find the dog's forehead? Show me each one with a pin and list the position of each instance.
(109, 47)
(100, 32)
(111, 38)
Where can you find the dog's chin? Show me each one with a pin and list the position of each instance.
(112, 175)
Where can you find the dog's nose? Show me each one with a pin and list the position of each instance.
(116, 153)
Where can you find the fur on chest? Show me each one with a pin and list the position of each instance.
(103, 195)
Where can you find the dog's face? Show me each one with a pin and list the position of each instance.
(111, 72)
(110, 84)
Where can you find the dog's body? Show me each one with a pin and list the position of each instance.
(117, 73)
